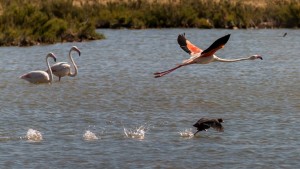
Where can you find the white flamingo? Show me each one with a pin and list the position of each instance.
(40, 76)
(62, 69)
(199, 56)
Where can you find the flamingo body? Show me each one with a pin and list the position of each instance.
(36, 77)
(39, 76)
(200, 60)
(199, 56)
(61, 69)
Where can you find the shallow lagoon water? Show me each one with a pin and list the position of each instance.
(115, 90)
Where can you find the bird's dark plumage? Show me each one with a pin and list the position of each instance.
(218, 44)
(204, 124)
(284, 34)
(182, 43)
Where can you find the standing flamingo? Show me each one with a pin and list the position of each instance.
(203, 57)
(40, 76)
(62, 69)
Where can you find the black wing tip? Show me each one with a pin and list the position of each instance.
(181, 39)
(225, 38)
(182, 43)
(183, 34)
(219, 42)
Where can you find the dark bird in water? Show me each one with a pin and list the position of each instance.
(284, 34)
(204, 124)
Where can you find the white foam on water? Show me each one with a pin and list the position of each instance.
(138, 133)
(186, 133)
(34, 135)
(89, 136)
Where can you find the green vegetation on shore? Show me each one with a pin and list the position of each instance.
(199, 13)
(28, 22)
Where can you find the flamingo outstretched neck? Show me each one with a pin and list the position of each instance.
(199, 56)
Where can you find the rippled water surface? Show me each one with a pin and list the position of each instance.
(115, 96)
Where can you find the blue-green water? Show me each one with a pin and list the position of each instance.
(115, 89)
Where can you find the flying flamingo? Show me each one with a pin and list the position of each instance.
(199, 56)
(62, 69)
(40, 76)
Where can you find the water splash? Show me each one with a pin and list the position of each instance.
(187, 133)
(138, 133)
(34, 135)
(89, 136)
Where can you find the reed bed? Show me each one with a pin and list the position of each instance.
(24, 22)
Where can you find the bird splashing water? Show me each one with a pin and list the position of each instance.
(138, 133)
(186, 133)
(89, 136)
(34, 135)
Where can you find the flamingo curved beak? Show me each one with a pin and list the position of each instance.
(76, 49)
(259, 57)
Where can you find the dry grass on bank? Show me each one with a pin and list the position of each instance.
(257, 3)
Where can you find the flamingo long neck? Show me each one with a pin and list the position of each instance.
(75, 66)
(230, 60)
(50, 71)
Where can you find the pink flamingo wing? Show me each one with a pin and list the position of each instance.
(193, 48)
(187, 46)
